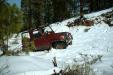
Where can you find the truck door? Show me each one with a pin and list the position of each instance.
(42, 42)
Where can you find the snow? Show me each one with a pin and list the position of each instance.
(15, 42)
(96, 41)
(112, 22)
(95, 14)
(21, 64)
(1, 52)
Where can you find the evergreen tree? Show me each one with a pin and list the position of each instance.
(38, 12)
(33, 11)
(10, 20)
(60, 10)
(48, 17)
(27, 16)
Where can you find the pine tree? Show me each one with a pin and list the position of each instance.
(10, 21)
(60, 10)
(48, 17)
(38, 12)
(27, 15)
(33, 11)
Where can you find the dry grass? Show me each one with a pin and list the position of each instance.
(83, 68)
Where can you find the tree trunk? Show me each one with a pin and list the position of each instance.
(81, 9)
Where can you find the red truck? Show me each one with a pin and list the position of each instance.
(45, 40)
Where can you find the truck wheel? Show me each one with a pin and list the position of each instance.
(59, 45)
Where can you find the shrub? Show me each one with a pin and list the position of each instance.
(81, 68)
(78, 69)
(11, 53)
(27, 45)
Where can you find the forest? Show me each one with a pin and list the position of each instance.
(56, 37)
(36, 13)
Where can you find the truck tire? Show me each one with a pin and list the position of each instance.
(59, 45)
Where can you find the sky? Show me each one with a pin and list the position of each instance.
(17, 2)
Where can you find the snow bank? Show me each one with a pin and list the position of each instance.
(95, 14)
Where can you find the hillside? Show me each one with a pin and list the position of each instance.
(93, 40)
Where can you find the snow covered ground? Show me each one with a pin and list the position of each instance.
(98, 40)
